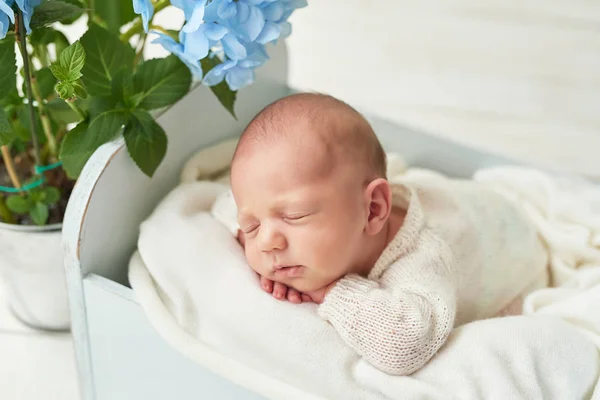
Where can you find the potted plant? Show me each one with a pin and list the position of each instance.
(61, 101)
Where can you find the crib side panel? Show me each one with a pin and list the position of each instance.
(130, 361)
(424, 150)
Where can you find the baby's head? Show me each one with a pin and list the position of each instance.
(308, 177)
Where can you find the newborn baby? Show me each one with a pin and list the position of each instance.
(394, 266)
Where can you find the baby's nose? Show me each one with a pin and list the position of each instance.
(272, 240)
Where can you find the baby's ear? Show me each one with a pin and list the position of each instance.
(379, 199)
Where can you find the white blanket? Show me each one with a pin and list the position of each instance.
(191, 278)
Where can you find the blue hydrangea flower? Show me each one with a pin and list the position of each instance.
(243, 17)
(238, 73)
(198, 42)
(201, 33)
(146, 9)
(176, 48)
(237, 30)
(7, 14)
(276, 13)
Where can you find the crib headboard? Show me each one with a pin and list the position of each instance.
(112, 196)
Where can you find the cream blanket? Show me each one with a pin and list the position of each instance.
(191, 278)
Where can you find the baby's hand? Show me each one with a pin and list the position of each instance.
(282, 292)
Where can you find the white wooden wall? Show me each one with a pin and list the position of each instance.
(520, 77)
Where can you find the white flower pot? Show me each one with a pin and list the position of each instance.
(31, 263)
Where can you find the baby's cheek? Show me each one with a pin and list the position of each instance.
(253, 260)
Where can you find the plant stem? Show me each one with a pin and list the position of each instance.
(22, 42)
(40, 52)
(90, 4)
(159, 28)
(44, 117)
(137, 26)
(140, 52)
(10, 167)
(76, 108)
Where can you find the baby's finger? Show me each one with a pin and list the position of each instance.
(306, 298)
(279, 291)
(293, 296)
(266, 284)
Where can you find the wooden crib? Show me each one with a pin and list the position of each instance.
(119, 354)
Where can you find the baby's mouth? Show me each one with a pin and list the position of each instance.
(289, 271)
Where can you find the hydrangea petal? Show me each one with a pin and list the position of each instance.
(217, 73)
(215, 31)
(238, 77)
(4, 24)
(10, 14)
(254, 24)
(269, 33)
(257, 56)
(146, 9)
(196, 45)
(186, 5)
(243, 12)
(273, 12)
(233, 48)
(211, 10)
(227, 10)
(177, 48)
(296, 4)
(195, 19)
(286, 29)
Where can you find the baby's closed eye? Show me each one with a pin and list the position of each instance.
(300, 217)
(250, 228)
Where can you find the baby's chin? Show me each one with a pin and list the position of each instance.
(306, 286)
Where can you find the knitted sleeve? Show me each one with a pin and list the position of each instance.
(398, 323)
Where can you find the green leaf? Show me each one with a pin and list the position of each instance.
(12, 98)
(122, 88)
(72, 59)
(39, 213)
(146, 141)
(81, 142)
(8, 67)
(5, 214)
(162, 81)
(106, 55)
(65, 90)
(7, 134)
(224, 94)
(54, 11)
(115, 13)
(50, 195)
(80, 90)
(101, 104)
(18, 204)
(59, 72)
(46, 81)
(60, 112)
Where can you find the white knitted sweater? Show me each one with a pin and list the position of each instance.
(463, 253)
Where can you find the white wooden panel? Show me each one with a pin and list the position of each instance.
(496, 74)
(131, 361)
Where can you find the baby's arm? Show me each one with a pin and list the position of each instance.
(396, 324)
